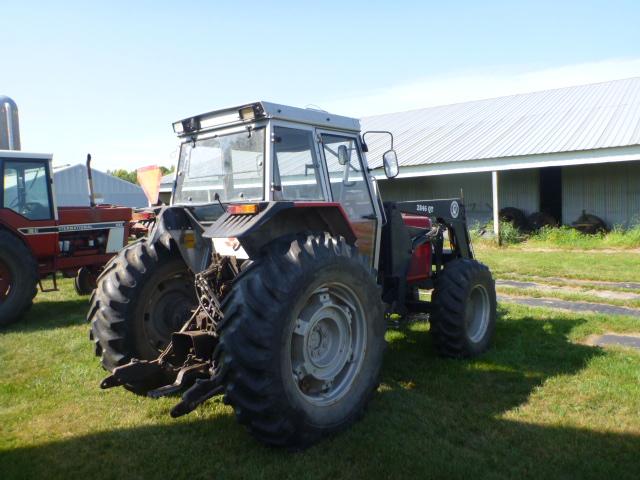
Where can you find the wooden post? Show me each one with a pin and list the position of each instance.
(496, 206)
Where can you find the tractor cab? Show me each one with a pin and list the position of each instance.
(264, 152)
(27, 187)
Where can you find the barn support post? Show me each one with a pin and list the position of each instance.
(496, 206)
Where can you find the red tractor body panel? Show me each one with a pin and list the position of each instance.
(100, 213)
(79, 237)
(420, 267)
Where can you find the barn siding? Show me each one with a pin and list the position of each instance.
(610, 191)
(518, 188)
(71, 188)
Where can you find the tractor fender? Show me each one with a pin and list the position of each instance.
(13, 231)
(278, 219)
(6, 227)
(177, 228)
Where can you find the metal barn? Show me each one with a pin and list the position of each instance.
(558, 151)
(71, 188)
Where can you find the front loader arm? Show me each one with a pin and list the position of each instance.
(449, 212)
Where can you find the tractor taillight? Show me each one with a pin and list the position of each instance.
(246, 209)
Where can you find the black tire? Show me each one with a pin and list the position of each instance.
(84, 282)
(515, 217)
(22, 285)
(143, 295)
(538, 220)
(460, 282)
(590, 224)
(260, 316)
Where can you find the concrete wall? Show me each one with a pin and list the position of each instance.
(610, 191)
(518, 188)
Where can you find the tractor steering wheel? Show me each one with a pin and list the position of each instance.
(34, 209)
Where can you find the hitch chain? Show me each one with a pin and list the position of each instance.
(189, 362)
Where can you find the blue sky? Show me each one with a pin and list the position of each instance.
(110, 78)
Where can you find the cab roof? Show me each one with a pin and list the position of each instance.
(250, 112)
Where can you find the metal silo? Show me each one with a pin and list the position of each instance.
(9, 126)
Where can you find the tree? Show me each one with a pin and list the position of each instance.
(124, 175)
(133, 176)
(166, 171)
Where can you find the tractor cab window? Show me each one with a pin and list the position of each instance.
(26, 189)
(347, 177)
(230, 165)
(296, 170)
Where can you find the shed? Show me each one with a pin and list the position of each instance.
(559, 151)
(71, 188)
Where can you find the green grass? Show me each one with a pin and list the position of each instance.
(564, 237)
(611, 266)
(538, 405)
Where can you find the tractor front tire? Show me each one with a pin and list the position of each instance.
(302, 340)
(18, 278)
(464, 309)
(144, 294)
(84, 282)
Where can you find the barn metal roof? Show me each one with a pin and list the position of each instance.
(585, 117)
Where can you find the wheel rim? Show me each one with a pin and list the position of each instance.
(169, 306)
(328, 344)
(5, 281)
(477, 313)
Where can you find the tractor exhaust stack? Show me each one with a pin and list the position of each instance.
(9, 124)
(92, 195)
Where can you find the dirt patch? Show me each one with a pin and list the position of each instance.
(631, 340)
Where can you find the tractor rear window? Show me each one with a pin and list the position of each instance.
(230, 165)
(26, 190)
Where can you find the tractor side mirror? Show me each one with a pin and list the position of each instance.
(390, 161)
(343, 155)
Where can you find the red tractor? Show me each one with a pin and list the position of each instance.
(37, 239)
(273, 274)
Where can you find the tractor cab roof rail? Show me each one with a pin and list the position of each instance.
(251, 112)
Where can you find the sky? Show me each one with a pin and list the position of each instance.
(110, 78)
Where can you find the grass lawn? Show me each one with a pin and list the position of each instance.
(610, 266)
(565, 238)
(538, 405)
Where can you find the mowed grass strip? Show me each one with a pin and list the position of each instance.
(572, 283)
(571, 295)
(615, 267)
(538, 405)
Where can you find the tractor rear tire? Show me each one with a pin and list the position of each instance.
(144, 294)
(302, 340)
(464, 309)
(18, 278)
